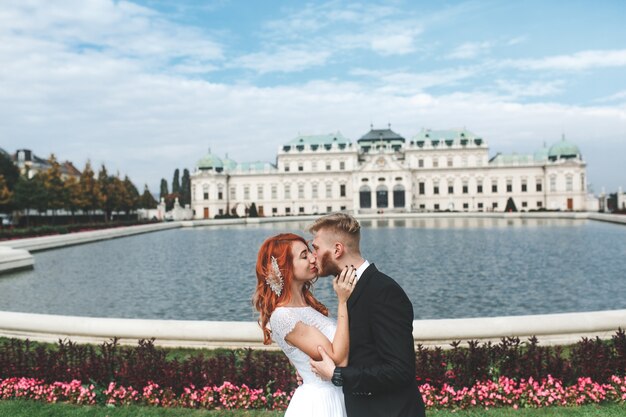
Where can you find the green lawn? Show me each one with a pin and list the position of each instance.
(34, 409)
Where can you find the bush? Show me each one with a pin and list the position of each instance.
(459, 367)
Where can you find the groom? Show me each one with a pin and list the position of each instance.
(380, 377)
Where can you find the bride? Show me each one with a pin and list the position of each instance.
(299, 323)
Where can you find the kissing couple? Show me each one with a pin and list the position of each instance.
(363, 363)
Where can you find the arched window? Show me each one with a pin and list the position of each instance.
(382, 200)
(398, 195)
(365, 197)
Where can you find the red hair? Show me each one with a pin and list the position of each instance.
(265, 300)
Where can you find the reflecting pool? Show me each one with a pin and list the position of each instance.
(451, 268)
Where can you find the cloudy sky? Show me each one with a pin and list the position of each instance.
(148, 86)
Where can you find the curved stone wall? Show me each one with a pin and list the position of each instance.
(549, 328)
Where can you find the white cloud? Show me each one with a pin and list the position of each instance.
(617, 97)
(395, 42)
(285, 60)
(470, 50)
(530, 89)
(575, 62)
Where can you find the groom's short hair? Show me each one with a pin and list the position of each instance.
(341, 224)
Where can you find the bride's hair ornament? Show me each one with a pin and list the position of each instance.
(275, 278)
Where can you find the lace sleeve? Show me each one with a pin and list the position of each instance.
(282, 323)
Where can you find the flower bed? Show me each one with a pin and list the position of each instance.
(504, 392)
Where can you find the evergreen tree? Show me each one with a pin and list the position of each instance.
(185, 188)
(104, 186)
(252, 211)
(164, 191)
(176, 182)
(147, 201)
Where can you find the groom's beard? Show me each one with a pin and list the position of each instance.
(327, 266)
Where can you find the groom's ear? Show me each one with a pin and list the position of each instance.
(339, 250)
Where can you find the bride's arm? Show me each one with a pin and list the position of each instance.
(308, 338)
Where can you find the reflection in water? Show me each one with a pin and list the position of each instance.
(450, 267)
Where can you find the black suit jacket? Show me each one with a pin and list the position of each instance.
(380, 377)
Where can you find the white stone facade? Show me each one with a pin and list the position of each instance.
(383, 172)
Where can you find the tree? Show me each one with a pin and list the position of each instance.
(147, 201)
(130, 199)
(164, 191)
(93, 198)
(9, 171)
(185, 188)
(176, 182)
(6, 196)
(29, 194)
(74, 198)
(252, 211)
(53, 185)
(105, 189)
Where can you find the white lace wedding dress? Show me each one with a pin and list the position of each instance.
(315, 397)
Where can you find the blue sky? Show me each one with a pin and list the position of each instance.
(148, 86)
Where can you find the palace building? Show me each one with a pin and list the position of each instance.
(435, 170)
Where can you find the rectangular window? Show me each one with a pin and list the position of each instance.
(300, 166)
(286, 167)
(569, 183)
(449, 162)
(450, 189)
(220, 195)
(524, 186)
(314, 190)
(524, 204)
(480, 206)
(233, 193)
(539, 204)
(313, 165)
(494, 186)
(301, 191)
(327, 166)
(220, 212)
(329, 190)
(301, 210)
(422, 206)
(246, 192)
(342, 190)
(479, 188)
(436, 189)
(465, 188)
(342, 208)
(465, 206)
(274, 211)
(420, 163)
(436, 206)
(509, 186)
(259, 192)
(329, 209)
(539, 186)
(435, 163)
(422, 188)
(274, 192)
(342, 165)
(553, 183)
(494, 206)
(287, 210)
(206, 195)
(287, 191)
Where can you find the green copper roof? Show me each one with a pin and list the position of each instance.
(541, 155)
(455, 135)
(210, 161)
(563, 149)
(328, 139)
(512, 159)
(257, 166)
(229, 164)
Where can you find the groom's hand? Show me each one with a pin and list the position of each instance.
(324, 368)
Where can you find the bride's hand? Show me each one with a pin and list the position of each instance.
(344, 283)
